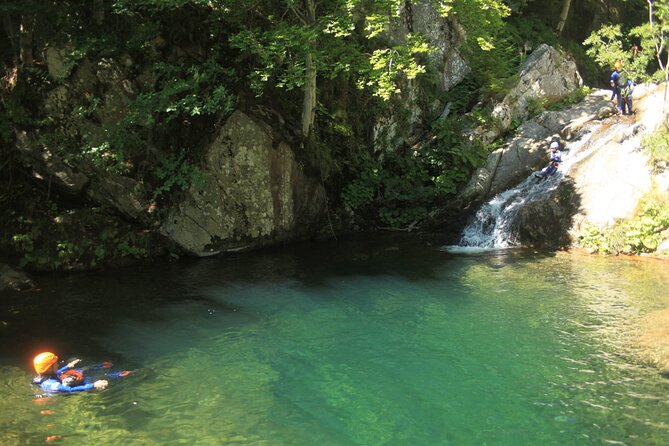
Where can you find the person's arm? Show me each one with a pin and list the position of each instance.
(53, 385)
(69, 365)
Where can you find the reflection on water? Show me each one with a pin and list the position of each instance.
(350, 342)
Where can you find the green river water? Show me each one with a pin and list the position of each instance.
(350, 342)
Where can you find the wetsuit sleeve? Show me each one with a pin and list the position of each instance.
(82, 388)
(62, 369)
(53, 385)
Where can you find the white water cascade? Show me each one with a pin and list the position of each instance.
(490, 226)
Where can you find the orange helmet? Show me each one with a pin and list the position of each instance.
(43, 361)
(618, 65)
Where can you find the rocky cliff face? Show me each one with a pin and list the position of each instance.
(546, 74)
(602, 182)
(254, 193)
(602, 187)
(403, 124)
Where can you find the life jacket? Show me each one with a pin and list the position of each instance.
(72, 378)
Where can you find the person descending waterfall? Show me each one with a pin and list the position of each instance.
(555, 158)
(52, 379)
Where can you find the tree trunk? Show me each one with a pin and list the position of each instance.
(11, 32)
(309, 97)
(98, 12)
(26, 39)
(563, 16)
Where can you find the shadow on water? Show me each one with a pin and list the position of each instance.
(72, 313)
(367, 340)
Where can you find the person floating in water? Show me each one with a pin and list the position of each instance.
(52, 379)
(555, 160)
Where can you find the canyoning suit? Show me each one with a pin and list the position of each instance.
(626, 95)
(555, 158)
(622, 91)
(616, 90)
(52, 383)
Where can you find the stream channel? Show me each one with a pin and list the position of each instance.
(359, 341)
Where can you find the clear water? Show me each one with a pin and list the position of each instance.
(358, 342)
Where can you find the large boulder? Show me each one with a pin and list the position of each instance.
(255, 192)
(128, 196)
(545, 223)
(11, 279)
(612, 181)
(546, 75)
(46, 165)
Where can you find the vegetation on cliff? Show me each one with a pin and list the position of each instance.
(135, 87)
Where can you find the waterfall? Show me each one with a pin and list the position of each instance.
(490, 226)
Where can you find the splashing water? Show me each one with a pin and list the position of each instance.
(490, 227)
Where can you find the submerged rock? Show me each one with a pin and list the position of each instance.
(652, 340)
(10, 279)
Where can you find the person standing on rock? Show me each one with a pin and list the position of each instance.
(626, 95)
(618, 80)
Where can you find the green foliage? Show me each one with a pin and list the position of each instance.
(490, 47)
(610, 43)
(452, 159)
(572, 98)
(75, 239)
(396, 189)
(538, 105)
(399, 190)
(177, 173)
(387, 64)
(641, 234)
(183, 91)
(656, 147)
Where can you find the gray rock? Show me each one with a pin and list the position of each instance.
(47, 166)
(663, 248)
(546, 73)
(546, 223)
(127, 195)
(12, 280)
(255, 193)
(56, 62)
(411, 109)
